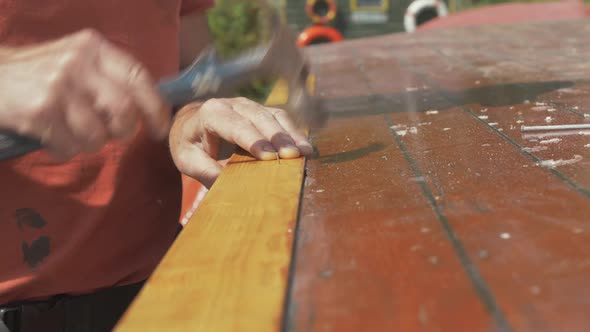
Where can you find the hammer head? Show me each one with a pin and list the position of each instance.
(284, 60)
(278, 58)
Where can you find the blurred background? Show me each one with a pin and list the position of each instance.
(353, 18)
(239, 24)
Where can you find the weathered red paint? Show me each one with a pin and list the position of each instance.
(427, 208)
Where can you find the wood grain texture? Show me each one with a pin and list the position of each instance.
(228, 269)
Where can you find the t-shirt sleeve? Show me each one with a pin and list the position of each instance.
(194, 6)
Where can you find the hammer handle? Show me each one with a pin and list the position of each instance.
(13, 145)
(205, 78)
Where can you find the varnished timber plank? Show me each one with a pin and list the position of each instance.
(228, 269)
(370, 255)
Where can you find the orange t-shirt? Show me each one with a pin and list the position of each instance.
(102, 219)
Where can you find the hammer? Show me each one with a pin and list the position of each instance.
(208, 77)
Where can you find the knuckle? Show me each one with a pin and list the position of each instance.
(278, 112)
(82, 45)
(126, 119)
(243, 100)
(122, 105)
(264, 116)
(242, 125)
(137, 73)
(71, 58)
(115, 105)
(68, 59)
(241, 129)
(40, 105)
(214, 109)
(88, 36)
(209, 125)
(55, 78)
(213, 104)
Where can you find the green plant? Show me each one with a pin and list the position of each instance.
(237, 25)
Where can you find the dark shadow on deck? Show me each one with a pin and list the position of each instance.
(441, 99)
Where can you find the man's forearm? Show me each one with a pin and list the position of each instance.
(194, 37)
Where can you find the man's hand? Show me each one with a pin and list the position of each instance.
(197, 132)
(77, 93)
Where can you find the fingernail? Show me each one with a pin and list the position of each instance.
(306, 149)
(268, 153)
(269, 148)
(289, 152)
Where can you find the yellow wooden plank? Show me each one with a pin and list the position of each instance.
(228, 269)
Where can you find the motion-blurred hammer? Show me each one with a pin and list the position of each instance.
(208, 77)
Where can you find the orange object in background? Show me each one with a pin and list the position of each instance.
(321, 11)
(318, 34)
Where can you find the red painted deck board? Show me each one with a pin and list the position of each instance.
(427, 208)
(524, 240)
(378, 262)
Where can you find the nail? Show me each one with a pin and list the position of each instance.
(289, 152)
(268, 153)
